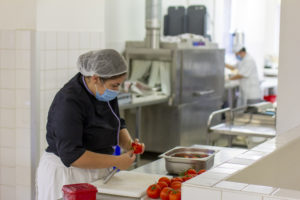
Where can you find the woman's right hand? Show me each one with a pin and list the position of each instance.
(125, 160)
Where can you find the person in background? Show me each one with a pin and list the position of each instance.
(248, 77)
(84, 126)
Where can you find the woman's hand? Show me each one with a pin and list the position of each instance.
(125, 160)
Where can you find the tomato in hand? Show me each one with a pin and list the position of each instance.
(175, 195)
(137, 147)
(190, 171)
(176, 179)
(162, 184)
(176, 185)
(153, 191)
(165, 179)
(164, 194)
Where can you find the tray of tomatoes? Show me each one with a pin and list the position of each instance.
(170, 189)
(179, 159)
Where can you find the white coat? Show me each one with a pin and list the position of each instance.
(249, 84)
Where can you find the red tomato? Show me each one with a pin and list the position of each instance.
(164, 194)
(162, 184)
(176, 185)
(188, 177)
(201, 171)
(137, 147)
(190, 171)
(175, 195)
(176, 179)
(165, 179)
(153, 191)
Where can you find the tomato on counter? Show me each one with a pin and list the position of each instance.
(176, 179)
(176, 185)
(153, 191)
(201, 171)
(164, 194)
(175, 195)
(165, 179)
(162, 184)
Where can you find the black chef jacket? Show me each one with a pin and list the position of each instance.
(77, 121)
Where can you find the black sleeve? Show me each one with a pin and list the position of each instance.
(116, 109)
(68, 128)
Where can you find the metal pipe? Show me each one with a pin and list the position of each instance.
(153, 23)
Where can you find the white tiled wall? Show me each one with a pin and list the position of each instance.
(58, 53)
(15, 62)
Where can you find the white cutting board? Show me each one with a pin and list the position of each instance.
(127, 183)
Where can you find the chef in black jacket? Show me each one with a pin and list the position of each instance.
(84, 126)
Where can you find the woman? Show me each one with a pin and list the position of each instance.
(84, 126)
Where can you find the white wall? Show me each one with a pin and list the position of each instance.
(289, 67)
(25, 10)
(70, 15)
(124, 20)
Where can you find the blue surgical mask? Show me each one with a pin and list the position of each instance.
(108, 95)
(238, 57)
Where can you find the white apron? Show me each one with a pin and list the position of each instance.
(52, 174)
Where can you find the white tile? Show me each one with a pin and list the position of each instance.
(7, 137)
(272, 198)
(8, 157)
(42, 80)
(235, 195)
(50, 79)
(96, 40)
(73, 40)
(23, 192)
(8, 176)
(40, 38)
(23, 60)
(241, 161)
(50, 38)
(232, 166)
(194, 193)
(285, 193)
(203, 181)
(62, 77)
(72, 72)
(22, 79)
(23, 157)
(23, 100)
(7, 78)
(7, 192)
(72, 58)
(84, 40)
(23, 175)
(23, 118)
(7, 59)
(231, 185)
(8, 39)
(7, 98)
(7, 118)
(41, 60)
(23, 40)
(22, 137)
(62, 59)
(214, 175)
(223, 170)
(62, 40)
(259, 189)
(50, 59)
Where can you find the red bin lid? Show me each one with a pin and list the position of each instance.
(79, 188)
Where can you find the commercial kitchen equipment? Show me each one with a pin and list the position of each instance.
(257, 120)
(190, 78)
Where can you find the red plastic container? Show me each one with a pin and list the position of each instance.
(80, 191)
(270, 98)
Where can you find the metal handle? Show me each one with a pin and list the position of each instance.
(203, 92)
(110, 175)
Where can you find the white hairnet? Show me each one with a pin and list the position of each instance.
(237, 48)
(104, 63)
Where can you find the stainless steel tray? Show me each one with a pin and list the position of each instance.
(177, 165)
